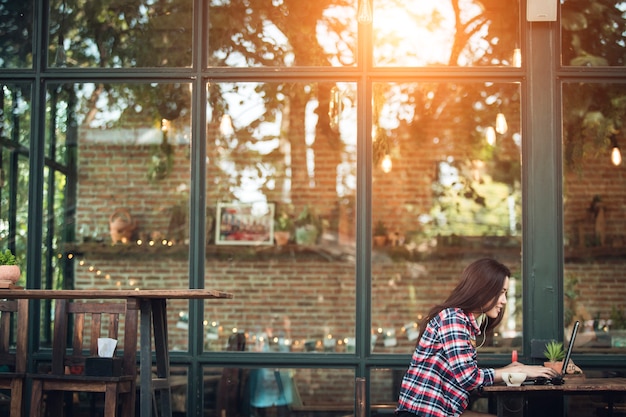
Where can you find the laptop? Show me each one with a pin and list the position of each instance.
(558, 380)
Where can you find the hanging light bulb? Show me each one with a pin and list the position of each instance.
(226, 125)
(501, 125)
(364, 14)
(490, 136)
(517, 57)
(386, 164)
(616, 155)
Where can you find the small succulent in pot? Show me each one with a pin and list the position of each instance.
(554, 351)
(9, 270)
(7, 258)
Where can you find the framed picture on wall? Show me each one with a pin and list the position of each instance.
(244, 224)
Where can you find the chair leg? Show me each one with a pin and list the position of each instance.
(35, 399)
(110, 400)
(16, 397)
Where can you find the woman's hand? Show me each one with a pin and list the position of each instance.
(531, 371)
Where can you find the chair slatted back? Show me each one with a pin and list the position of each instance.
(90, 321)
(10, 311)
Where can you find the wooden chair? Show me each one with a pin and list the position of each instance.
(68, 363)
(13, 360)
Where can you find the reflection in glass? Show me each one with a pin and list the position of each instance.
(15, 138)
(594, 214)
(289, 147)
(473, 33)
(592, 33)
(277, 392)
(120, 34)
(123, 154)
(450, 197)
(16, 33)
(282, 34)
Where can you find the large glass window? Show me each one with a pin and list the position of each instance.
(16, 34)
(123, 149)
(15, 139)
(120, 34)
(281, 205)
(592, 33)
(277, 34)
(446, 190)
(453, 33)
(594, 214)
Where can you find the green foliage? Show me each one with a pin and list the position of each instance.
(283, 222)
(380, 229)
(618, 319)
(7, 258)
(309, 217)
(554, 351)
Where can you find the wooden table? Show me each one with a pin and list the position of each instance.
(153, 316)
(572, 386)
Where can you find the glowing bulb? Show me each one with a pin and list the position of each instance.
(517, 57)
(386, 164)
(616, 156)
(501, 125)
(226, 125)
(364, 14)
(490, 136)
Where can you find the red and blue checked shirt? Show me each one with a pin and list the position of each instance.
(443, 369)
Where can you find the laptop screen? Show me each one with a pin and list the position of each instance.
(568, 354)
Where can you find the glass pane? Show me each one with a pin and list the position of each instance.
(469, 33)
(120, 34)
(446, 191)
(282, 158)
(278, 392)
(121, 187)
(15, 119)
(594, 217)
(592, 33)
(282, 34)
(16, 34)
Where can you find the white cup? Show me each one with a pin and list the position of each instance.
(513, 379)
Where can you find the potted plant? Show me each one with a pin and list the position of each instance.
(617, 327)
(283, 227)
(9, 270)
(308, 226)
(555, 354)
(380, 234)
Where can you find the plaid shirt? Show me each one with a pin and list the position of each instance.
(443, 369)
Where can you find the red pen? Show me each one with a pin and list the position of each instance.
(514, 356)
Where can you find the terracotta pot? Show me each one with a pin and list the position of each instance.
(9, 273)
(557, 366)
(380, 240)
(282, 237)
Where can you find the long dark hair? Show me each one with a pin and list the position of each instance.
(480, 286)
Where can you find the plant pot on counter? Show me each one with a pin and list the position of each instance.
(282, 237)
(306, 235)
(9, 273)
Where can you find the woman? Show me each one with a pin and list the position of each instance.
(443, 369)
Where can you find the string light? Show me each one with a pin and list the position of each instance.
(386, 164)
(517, 58)
(490, 135)
(501, 124)
(616, 156)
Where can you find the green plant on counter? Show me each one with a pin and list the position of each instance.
(554, 351)
(380, 229)
(7, 258)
